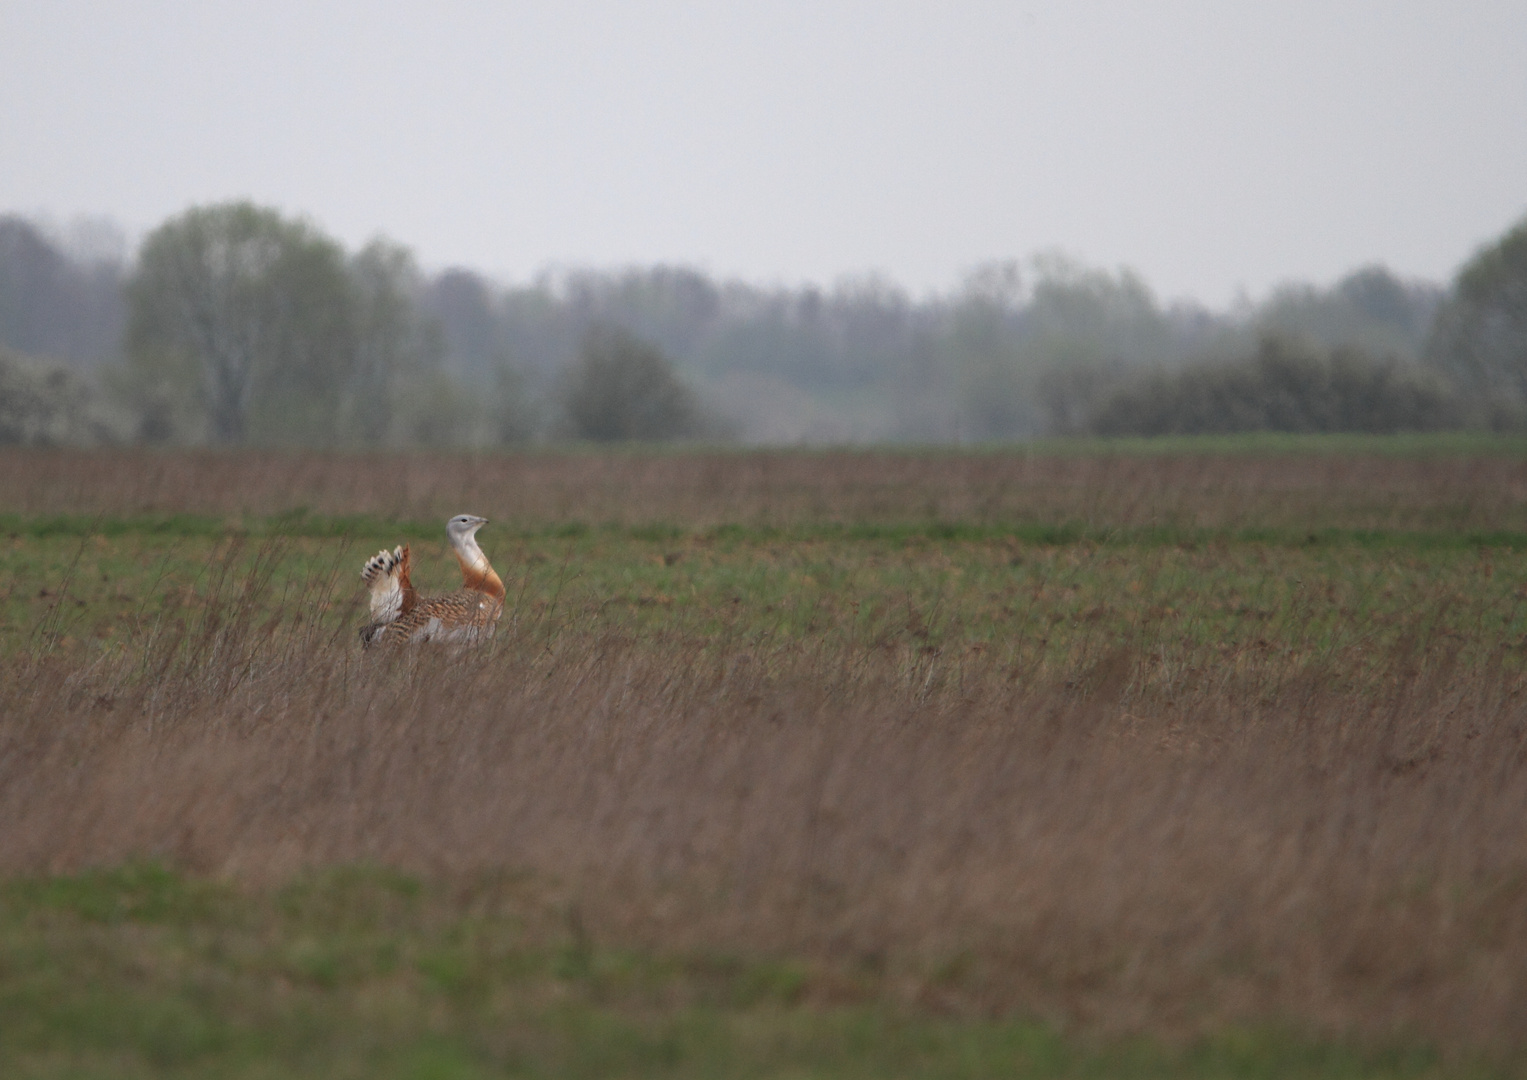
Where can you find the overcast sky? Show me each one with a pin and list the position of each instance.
(1213, 146)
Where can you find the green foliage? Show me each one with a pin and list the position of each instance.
(624, 390)
(250, 327)
(1212, 374)
(1284, 386)
(143, 972)
(45, 404)
(1417, 445)
(512, 415)
(1021, 362)
(861, 360)
(258, 307)
(983, 357)
(397, 353)
(1370, 310)
(1480, 336)
(1091, 316)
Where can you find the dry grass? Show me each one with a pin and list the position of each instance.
(699, 490)
(1100, 852)
(1114, 840)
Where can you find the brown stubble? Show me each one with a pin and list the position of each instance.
(701, 489)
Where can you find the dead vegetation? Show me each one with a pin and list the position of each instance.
(1095, 849)
(1118, 841)
(698, 489)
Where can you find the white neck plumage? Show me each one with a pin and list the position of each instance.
(470, 554)
(476, 572)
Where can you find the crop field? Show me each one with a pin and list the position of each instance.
(1187, 759)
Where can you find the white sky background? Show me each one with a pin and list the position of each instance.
(1212, 146)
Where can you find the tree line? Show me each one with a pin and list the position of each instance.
(237, 325)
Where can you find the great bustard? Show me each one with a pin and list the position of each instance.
(400, 614)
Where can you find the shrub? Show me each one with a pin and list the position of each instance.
(623, 389)
(1284, 386)
(45, 404)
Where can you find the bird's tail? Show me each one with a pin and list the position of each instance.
(386, 575)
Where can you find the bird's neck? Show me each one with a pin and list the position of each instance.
(476, 572)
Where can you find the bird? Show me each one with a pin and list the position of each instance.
(400, 615)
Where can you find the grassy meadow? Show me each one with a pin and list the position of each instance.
(1186, 759)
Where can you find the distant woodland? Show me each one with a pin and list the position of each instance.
(232, 324)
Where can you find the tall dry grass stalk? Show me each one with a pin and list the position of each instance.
(1104, 844)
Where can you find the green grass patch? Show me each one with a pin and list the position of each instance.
(1259, 443)
(1044, 597)
(363, 531)
(363, 972)
(1401, 445)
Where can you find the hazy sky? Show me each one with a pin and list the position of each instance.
(1212, 146)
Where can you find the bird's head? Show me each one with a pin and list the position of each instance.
(463, 527)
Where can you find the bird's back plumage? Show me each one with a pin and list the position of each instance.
(463, 616)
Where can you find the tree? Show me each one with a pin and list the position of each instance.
(462, 304)
(1479, 339)
(54, 305)
(43, 403)
(623, 389)
(1370, 309)
(1026, 358)
(257, 310)
(397, 351)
